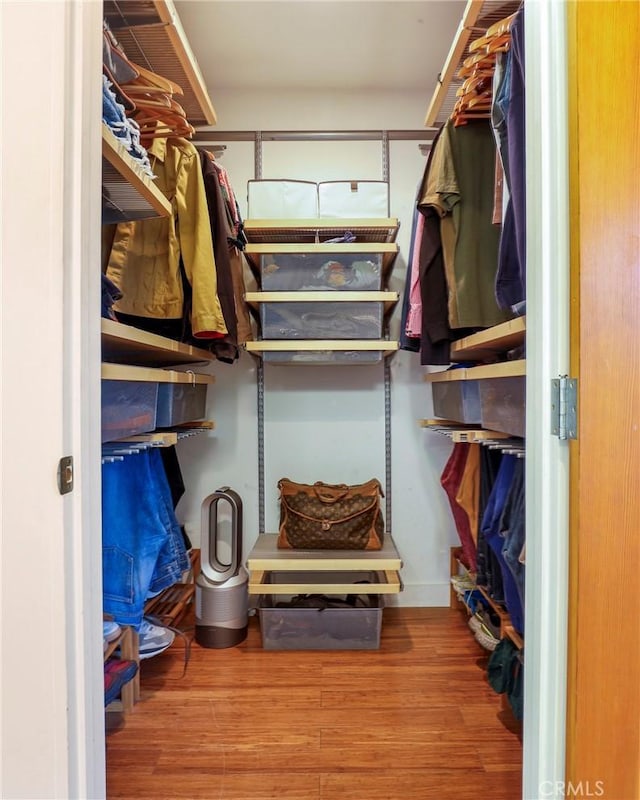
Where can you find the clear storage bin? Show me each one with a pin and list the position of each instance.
(322, 357)
(321, 320)
(292, 272)
(349, 628)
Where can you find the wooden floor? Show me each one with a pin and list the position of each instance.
(414, 720)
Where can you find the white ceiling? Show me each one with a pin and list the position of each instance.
(357, 45)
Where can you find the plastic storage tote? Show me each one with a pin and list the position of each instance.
(128, 408)
(502, 404)
(291, 272)
(180, 402)
(326, 358)
(348, 628)
(321, 320)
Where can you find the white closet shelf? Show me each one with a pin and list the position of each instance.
(128, 190)
(125, 372)
(123, 343)
(478, 16)
(310, 231)
(151, 34)
(388, 251)
(504, 369)
(388, 298)
(294, 345)
(490, 341)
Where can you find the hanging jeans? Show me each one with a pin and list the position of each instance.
(491, 530)
(512, 529)
(143, 549)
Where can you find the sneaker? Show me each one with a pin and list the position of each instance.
(486, 640)
(110, 632)
(462, 583)
(153, 639)
(474, 623)
(117, 673)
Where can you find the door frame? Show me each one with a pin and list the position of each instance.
(51, 672)
(547, 474)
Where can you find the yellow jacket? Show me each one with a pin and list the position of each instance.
(145, 256)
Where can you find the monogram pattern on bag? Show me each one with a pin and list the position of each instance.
(352, 522)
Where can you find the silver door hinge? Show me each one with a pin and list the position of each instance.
(65, 475)
(564, 407)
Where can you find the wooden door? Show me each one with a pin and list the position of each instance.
(603, 728)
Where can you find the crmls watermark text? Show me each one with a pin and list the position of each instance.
(571, 789)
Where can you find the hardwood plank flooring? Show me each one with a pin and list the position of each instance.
(414, 720)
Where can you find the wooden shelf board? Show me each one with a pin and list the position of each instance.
(295, 345)
(444, 423)
(390, 585)
(265, 555)
(503, 369)
(125, 372)
(129, 191)
(123, 343)
(263, 231)
(490, 341)
(151, 34)
(388, 298)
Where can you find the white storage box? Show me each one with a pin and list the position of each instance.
(282, 199)
(321, 320)
(292, 272)
(353, 199)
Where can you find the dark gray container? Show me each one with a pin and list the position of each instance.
(502, 402)
(180, 402)
(457, 400)
(128, 408)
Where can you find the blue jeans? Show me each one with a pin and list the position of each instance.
(512, 525)
(491, 529)
(142, 546)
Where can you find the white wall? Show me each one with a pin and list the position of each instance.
(327, 423)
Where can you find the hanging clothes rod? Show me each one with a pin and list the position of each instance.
(206, 135)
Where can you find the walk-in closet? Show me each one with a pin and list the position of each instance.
(326, 486)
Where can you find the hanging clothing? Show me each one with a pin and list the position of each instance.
(410, 343)
(462, 190)
(436, 334)
(450, 482)
(143, 550)
(468, 494)
(226, 348)
(510, 283)
(145, 257)
(491, 528)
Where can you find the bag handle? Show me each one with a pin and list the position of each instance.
(328, 493)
